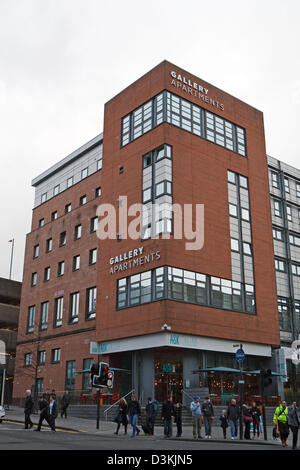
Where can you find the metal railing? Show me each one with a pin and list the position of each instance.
(187, 394)
(114, 404)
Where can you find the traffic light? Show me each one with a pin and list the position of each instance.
(94, 371)
(110, 378)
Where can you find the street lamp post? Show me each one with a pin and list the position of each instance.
(12, 241)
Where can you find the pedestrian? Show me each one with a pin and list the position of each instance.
(208, 416)
(167, 412)
(224, 422)
(44, 411)
(134, 411)
(122, 416)
(233, 415)
(255, 413)
(294, 422)
(53, 393)
(195, 408)
(281, 418)
(52, 412)
(28, 409)
(150, 416)
(178, 418)
(65, 401)
(247, 420)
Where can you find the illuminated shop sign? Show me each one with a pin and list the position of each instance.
(191, 87)
(131, 259)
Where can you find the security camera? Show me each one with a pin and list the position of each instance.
(165, 327)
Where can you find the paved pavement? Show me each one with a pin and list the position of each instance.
(16, 414)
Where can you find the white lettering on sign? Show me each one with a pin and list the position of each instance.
(133, 259)
(193, 88)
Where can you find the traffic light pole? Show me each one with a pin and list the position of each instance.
(98, 408)
(262, 387)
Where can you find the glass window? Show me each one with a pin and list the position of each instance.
(280, 265)
(277, 208)
(91, 302)
(41, 358)
(284, 314)
(275, 179)
(78, 231)
(28, 359)
(44, 315)
(70, 182)
(44, 197)
(98, 192)
(235, 245)
(286, 185)
(47, 274)
(94, 224)
(68, 208)
(82, 200)
(61, 268)
(55, 356)
(231, 177)
(56, 190)
(99, 164)
(49, 245)
(84, 173)
(54, 215)
(289, 213)
(63, 238)
(34, 279)
(233, 210)
(70, 375)
(76, 262)
(58, 313)
(36, 250)
(31, 319)
(41, 222)
(250, 298)
(74, 307)
(93, 256)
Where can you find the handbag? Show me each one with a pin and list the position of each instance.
(248, 419)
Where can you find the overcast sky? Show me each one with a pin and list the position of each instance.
(61, 60)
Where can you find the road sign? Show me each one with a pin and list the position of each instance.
(240, 355)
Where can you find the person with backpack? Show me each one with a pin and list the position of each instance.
(281, 418)
(150, 415)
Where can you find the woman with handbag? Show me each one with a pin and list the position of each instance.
(121, 417)
(247, 420)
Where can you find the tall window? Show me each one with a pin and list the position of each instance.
(49, 245)
(62, 239)
(76, 262)
(31, 319)
(70, 375)
(93, 256)
(58, 313)
(74, 307)
(78, 231)
(91, 302)
(47, 274)
(44, 315)
(94, 224)
(61, 268)
(36, 250)
(28, 359)
(41, 358)
(157, 192)
(34, 279)
(86, 376)
(55, 355)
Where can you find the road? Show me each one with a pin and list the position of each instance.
(14, 437)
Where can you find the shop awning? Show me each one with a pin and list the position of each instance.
(228, 369)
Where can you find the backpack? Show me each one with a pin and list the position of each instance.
(155, 407)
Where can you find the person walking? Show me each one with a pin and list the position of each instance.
(52, 410)
(294, 422)
(150, 415)
(122, 416)
(281, 417)
(28, 409)
(134, 410)
(255, 413)
(178, 418)
(167, 412)
(247, 420)
(195, 408)
(208, 415)
(44, 411)
(65, 401)
(224, 422)
(233, 415)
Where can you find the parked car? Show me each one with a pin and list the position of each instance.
(2, 413)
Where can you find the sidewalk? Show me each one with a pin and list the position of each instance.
(108, 428)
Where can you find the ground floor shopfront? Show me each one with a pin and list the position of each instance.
(165, 364)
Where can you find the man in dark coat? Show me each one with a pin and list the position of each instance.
(294, 422)
(65, 401)
(167, 412)
(150, 415)
(28, 409)
(233, 415)
(208, 414)
(43, 405)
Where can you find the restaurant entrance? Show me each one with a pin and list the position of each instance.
(168, 374)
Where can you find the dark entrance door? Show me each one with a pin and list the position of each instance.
(168, 374)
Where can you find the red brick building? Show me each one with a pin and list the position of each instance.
(162, 310)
